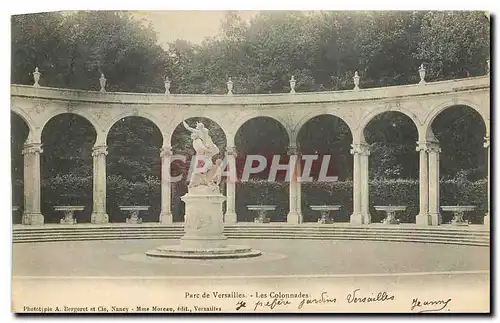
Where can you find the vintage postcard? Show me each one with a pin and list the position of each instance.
(250, 162)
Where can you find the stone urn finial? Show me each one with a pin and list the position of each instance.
(102, 81)
(292, 85)
(167, 85)
(36, 77)
(421, 72)
(229, 87)
(356, 80)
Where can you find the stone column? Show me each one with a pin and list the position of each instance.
(356, 217)
(365, 188)
(360, 187)
(230, 216)
(423, 215)
(32, 214)
(166, 187)
(299, 187)
(487, 215)
(294, 214)
(99, 215)
(434, 212)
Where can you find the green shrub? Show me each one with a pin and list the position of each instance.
(121, 191)
(262, 192)
(66, 189)
(382, 192)
(70, 189)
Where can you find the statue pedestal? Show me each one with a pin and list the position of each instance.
(203, 224)
(204, 227)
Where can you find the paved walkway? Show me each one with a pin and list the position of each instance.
(280, 258)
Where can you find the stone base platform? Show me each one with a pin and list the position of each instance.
(226, 252)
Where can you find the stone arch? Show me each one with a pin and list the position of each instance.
(327, 134)
(392, 129)
(242, 122)
(313, 115)
(33, 134)
(19, 134)
(57, 137)
(133, 142)
(452, 103)
(376, 112)
(22, 121)
(133, 113)
(88, 118)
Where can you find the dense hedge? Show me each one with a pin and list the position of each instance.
(120, 191)
(69, 189)
(382, 192)
(66, 189)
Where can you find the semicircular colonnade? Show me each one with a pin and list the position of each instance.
(422, 103)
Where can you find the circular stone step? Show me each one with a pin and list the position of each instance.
(230, 251)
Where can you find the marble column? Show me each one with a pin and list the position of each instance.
(32, 214)
(166, 186)
(230, 216)
(365, 188)
(423, 215)
(299, 187)
(433, 155)
(487, 215)
(294, 214)
(356, 217)
(360, 185)
(99, 215)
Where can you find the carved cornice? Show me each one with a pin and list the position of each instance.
(441, 87)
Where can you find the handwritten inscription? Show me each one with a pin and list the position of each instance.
(429, 305)
(323, 299)
(272, 304)
(357, 297)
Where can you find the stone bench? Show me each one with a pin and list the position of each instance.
(134, 212)
(69, 211)
(390, 210)
(261, 212)
(325, 212)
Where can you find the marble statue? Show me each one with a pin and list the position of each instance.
(203, 218)
(205, 149)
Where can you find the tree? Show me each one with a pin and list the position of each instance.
(39, 40)
(72, 50)
(454, 44)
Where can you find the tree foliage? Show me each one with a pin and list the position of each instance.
(72, 50)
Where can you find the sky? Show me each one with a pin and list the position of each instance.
(192, 26)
